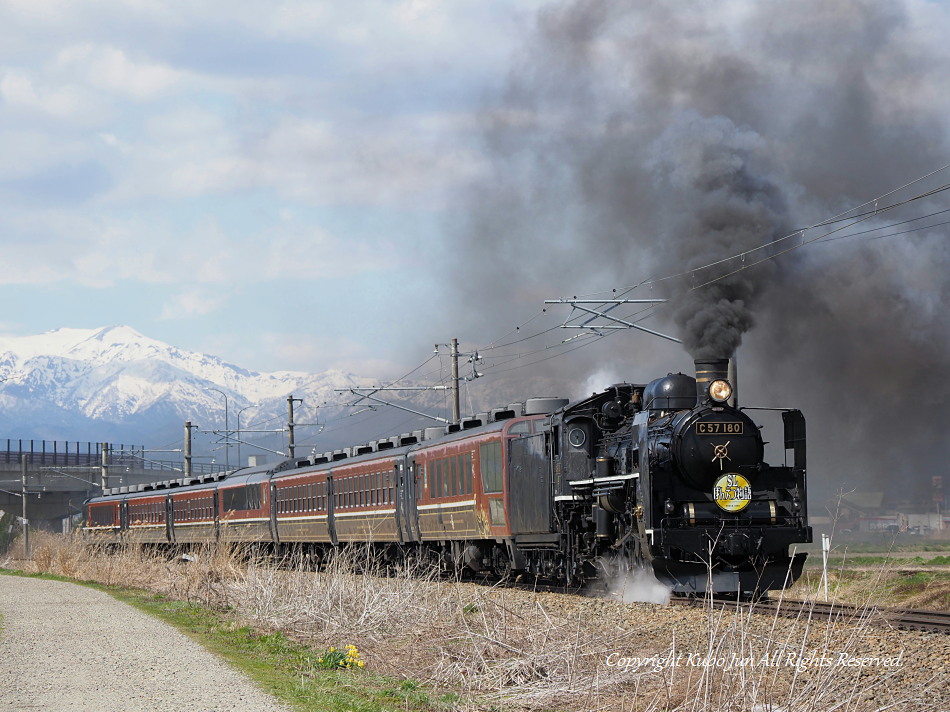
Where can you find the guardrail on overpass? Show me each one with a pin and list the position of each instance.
(52, 453)
(60, 476)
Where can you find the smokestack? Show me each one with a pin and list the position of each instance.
(734, 381)
(707, 371)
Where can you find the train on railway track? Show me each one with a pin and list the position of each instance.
(666, 475)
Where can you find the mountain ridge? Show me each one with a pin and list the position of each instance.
(100, 383)
(114, 384)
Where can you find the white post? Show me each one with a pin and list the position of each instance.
(825, 548)
(26, 522)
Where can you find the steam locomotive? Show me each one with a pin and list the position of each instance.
(666, 475)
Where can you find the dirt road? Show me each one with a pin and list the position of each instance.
(68, 647)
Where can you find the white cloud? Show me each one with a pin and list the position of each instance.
(186, 123)
(67, 13)
(195, 301)
(302, 350)
(111, 70)
(409, 162)
(318, 140)
(101, 250)
(231, 144)
(22, 91)
(298, 19)
(28, 150)
(402, 161)
(218, 174)
(84, 85)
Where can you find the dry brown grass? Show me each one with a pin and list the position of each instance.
(891, 584)
(507, 649)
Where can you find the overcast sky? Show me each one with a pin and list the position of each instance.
(261, 181)
(308, 185)
(311, 185)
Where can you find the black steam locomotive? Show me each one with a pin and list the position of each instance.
(673, 476)
(667, 475)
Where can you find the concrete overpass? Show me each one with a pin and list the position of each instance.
(59, 476)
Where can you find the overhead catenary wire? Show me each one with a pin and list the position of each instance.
(501, 361)
(850, 216)
(505, 361)
(818, 238)
(890, 225)
(552, 356)
(798, 232)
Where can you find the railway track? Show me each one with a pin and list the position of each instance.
(896, 618)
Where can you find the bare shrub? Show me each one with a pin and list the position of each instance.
(43, 556)
(523, 650)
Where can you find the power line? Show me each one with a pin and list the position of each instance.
(798, 232)
(902, 222)
(849, 216)
(852, 220)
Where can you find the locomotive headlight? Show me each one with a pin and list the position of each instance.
(720, 391)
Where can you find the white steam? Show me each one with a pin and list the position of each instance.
(637, 585)
(598, 381)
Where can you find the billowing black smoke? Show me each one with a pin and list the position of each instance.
(734, 208)
(648, 140)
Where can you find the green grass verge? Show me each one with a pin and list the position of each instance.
(288, 670)
(894, 589)
(884, 544)
(895, 561)
(911, 583)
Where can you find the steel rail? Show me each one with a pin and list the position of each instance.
(897, 618)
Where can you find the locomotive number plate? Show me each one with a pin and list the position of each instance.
(719, 428)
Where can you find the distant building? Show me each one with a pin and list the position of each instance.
(895, 523)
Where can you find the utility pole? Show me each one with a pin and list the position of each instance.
(227, 429)
(104, 466)
(290, 422)
(456, 410)
(187, 455)
(367, 393)
(26, 523)
(252, 405)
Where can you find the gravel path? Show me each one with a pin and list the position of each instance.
(64, 646)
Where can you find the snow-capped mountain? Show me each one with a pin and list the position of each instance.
(114, 383)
